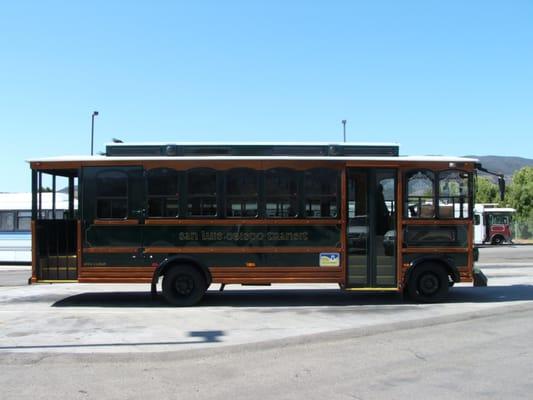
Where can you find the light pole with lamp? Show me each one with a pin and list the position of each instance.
(95, 113)
(344, 129)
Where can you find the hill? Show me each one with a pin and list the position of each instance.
(503, 164)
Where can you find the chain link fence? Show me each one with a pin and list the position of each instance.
(522, 230)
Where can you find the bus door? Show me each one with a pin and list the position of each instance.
(113, 212)
(371, 228)
(54, 225)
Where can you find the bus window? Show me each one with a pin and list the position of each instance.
(453, 194)
(163, 192)
(7, 221)
(24, 221)
(281, 191)
(112, 194)
(201, 192)
(320, 193)
(241, 193)
(420, 194)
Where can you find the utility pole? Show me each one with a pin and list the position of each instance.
(95, 113)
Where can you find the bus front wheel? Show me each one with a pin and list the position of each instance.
(428, 283)
(184, 285)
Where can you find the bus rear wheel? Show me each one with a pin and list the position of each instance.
(428, 283)
(184, 285)
(497, 240)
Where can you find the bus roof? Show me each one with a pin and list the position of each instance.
(87, 158)
(319, 151)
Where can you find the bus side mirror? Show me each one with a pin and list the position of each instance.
(501, 184)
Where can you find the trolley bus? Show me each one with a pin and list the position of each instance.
(183, 216)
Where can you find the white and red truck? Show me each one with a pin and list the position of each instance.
(492, 224)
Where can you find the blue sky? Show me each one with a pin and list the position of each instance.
(438, 77)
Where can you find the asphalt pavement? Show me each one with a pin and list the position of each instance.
(294, 341)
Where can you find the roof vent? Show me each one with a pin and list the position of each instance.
(171, 150)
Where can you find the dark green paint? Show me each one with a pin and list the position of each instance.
(460, 259)
(435, 236)
(212, 236)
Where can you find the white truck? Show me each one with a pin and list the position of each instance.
(492, 224)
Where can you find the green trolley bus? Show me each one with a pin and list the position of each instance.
(187, 215)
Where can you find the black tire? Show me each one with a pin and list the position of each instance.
(497, 240)
(428, 283)
(184, 285)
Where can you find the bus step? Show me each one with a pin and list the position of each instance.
(479, 278)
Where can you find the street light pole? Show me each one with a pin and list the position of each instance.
(95, 113)
(344, 129)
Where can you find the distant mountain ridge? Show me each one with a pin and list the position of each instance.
(503, 164)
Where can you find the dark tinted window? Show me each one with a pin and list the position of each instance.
(320, 193)
(163, 192)
(436, 236)
(241, 193)
(201, 192)
(112, 194)
(281, 191)
(112, 184)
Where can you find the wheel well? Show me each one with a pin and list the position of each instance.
(174, 261)
(444, 262)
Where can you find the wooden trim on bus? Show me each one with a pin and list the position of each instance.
(276, 274)
(372, 164)
(399, 229)
(79, 244)
(344, 228)
(210, 249)
(409, 221)
(240, 250)
(182, 165)
(470, 260)
(118, 274)
(44, 165)
(407, 166)
(33, 251)
(432, 250)
(116, 222)
(110, 250)
(236, 221)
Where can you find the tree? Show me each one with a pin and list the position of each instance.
(520, 194)
(486, 191)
